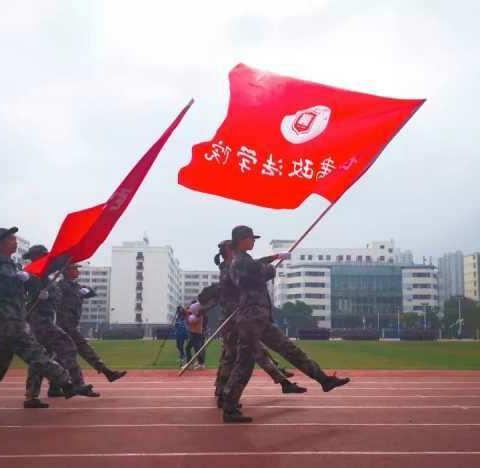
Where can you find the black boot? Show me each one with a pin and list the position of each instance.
(291, 387)
(332, 382)
(220, 403)
(112, 375)
(68, 390)
(87, 391)
(235, 416)
(55, 391)
(35, 403)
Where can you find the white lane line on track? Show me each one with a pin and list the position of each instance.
(276, 395)
(137, 408)
(226, 454)
(184, 425)
(269, 387)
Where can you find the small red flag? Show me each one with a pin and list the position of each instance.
(284, 139)
(82, 232)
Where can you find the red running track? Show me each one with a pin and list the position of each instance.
(153, 418)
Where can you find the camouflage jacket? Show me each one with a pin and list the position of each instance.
(70, 309)
(12, 292)
(250, 277)
(46, 309)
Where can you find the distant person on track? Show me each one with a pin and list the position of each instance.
(194, 321)
(181, 333)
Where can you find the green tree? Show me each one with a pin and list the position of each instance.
(293, 316)
(470, 312)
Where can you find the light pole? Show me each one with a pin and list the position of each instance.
(460, 320)
(425, 315)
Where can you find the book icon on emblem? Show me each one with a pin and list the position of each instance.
(305, 124)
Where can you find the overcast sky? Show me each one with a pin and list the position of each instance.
(87, 86)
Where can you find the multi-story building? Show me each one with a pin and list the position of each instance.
(362, 286)
(450, 276)
(471, 266)
(22, 246)
(145, 285)
(420, 288)
(95, 311)
(193, 281)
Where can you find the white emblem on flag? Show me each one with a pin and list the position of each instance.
(306, 124)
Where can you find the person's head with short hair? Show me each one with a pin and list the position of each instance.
(8, 241)
(225, 252)
(72, 271)
(35, 252)
(243, 238)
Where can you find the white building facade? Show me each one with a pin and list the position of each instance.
(310, 274)
(22, 247)
(96, 311)
(145, 285)
(193, 281)
(420, 288)
(450, 276)
(471, 265)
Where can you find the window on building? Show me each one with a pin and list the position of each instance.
(314, 296)
(390, 250)
(314, 273)
(421, 275)
(314, 285)
(139, 265)
(381, 258)
(320, 257)
(294, 285)
(294, 296)
(328, 258)
(295, 274)
(368, 259)
(139, 296)
(310, 257)
(139, 286)
(138, 317)
(422, 296)
(138, 306)
(139, 255)
(348, 258)
(302, 257)
(140, 276)
(322, 318)
(382, 247)
(339, 258)
(359, 258)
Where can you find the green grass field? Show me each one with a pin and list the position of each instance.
(138, 354)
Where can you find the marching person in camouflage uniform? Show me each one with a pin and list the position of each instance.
(226, 295)
(14, 335)
(68, 318)
(255, 326)
(44, 303)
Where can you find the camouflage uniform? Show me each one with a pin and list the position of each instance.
(68, 318)
(226, 294)
(51, 336)
(254, 326)
(14, 335)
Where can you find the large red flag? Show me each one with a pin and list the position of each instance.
(284, 139)
(82, 232)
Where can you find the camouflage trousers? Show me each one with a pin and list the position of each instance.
(58, 344)
(255, 327)
(15, 339)
(229, 356)
(84, 349)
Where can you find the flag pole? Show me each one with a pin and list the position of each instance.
(48, 285)
(205, 345)
(291, 249)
